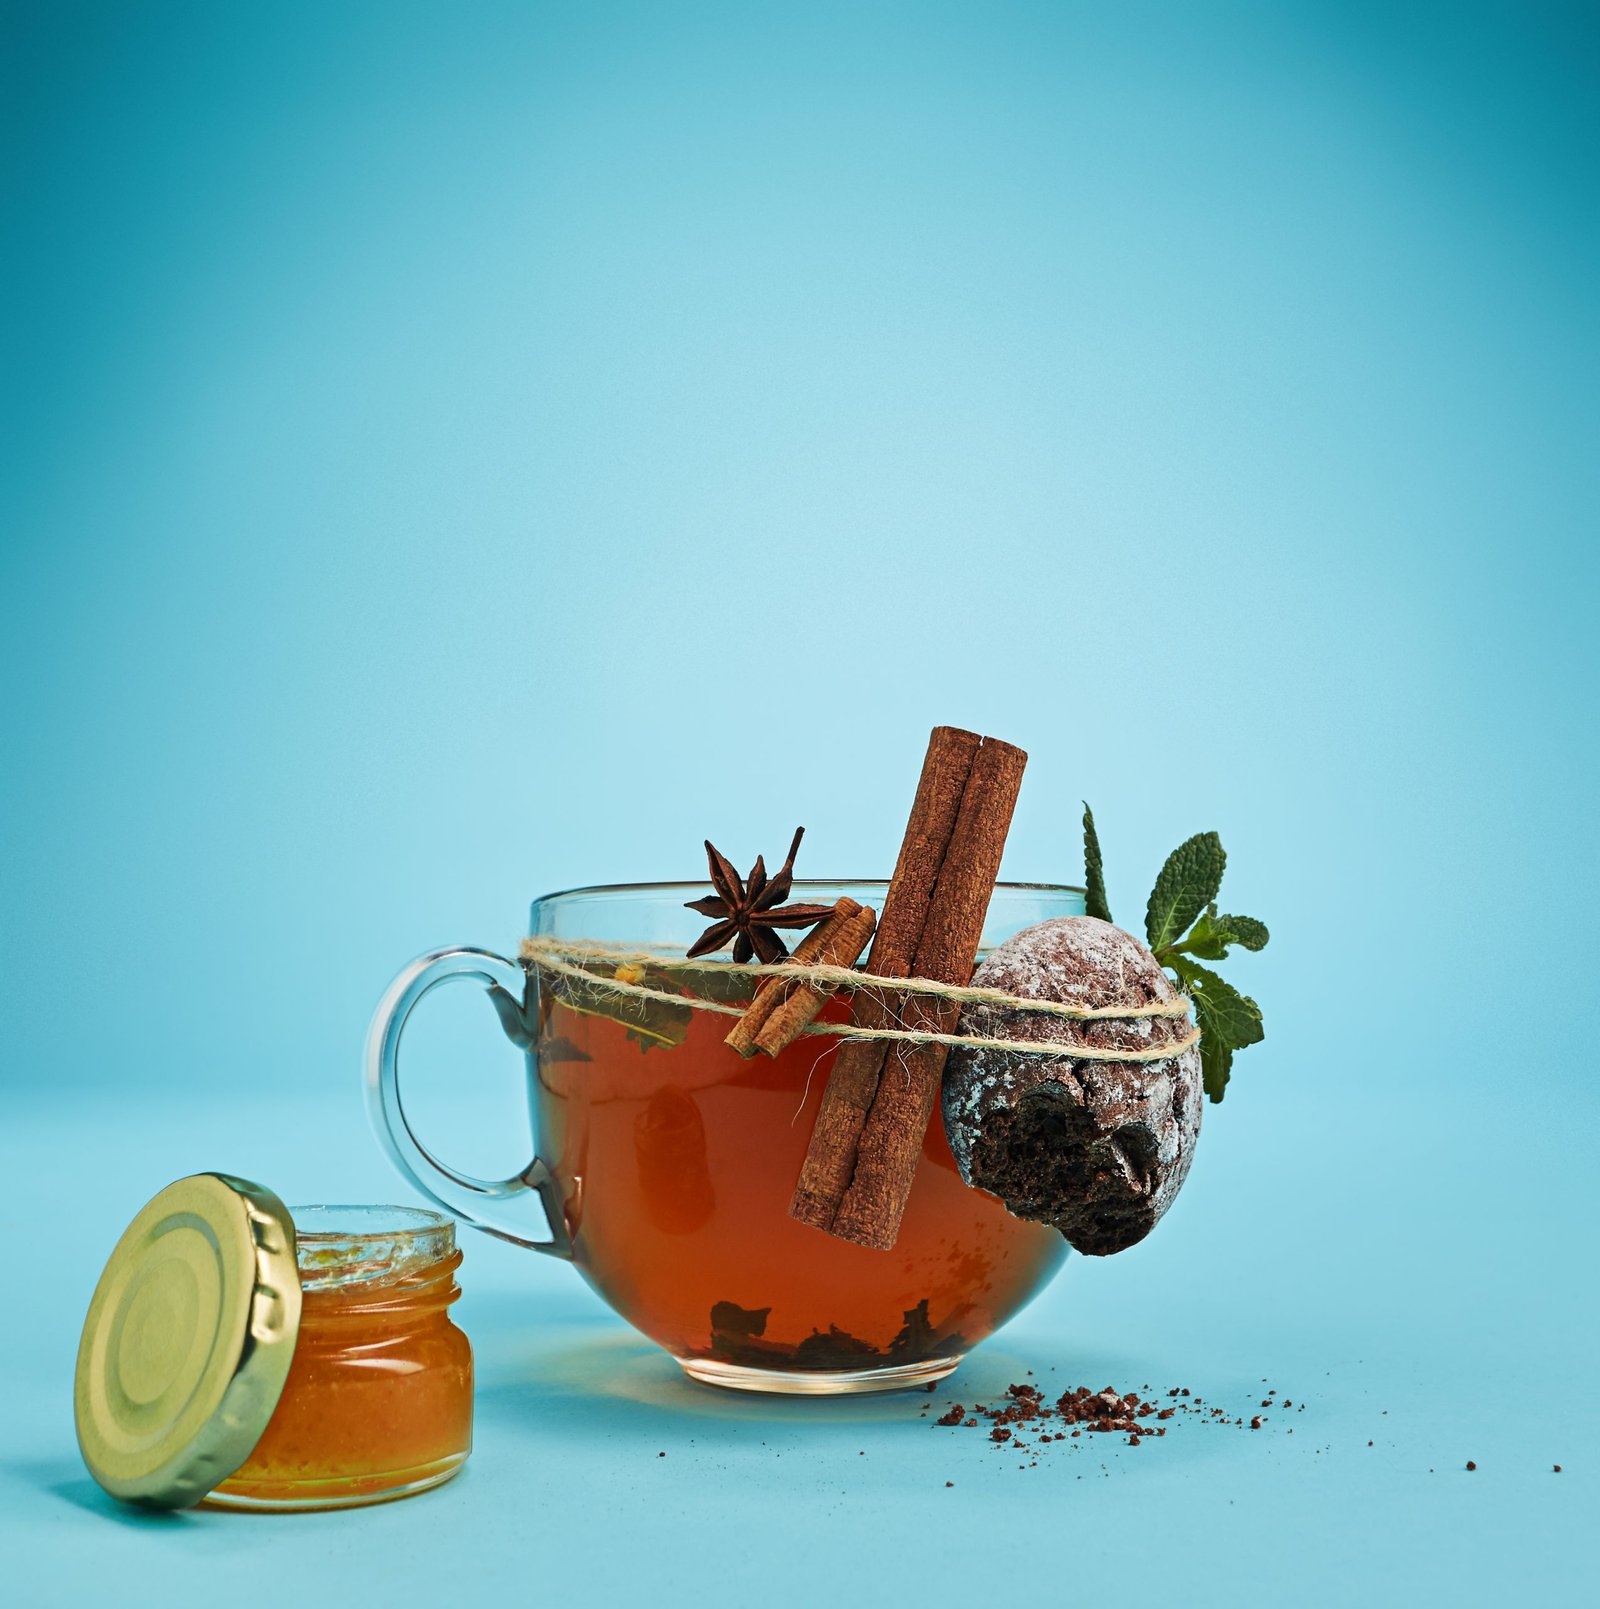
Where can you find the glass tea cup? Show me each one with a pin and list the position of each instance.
(663, 1164)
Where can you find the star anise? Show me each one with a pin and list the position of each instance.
(748, 912)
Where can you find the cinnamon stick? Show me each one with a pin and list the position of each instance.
(842, 946)
(830, 1158)
(892, 1136)
(926, 914)
(782, 1007)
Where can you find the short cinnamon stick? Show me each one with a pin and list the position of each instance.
(842, 945)
(950, 842)
(782, 1007)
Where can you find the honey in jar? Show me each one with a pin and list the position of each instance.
(249, 1357)
(378, 1400)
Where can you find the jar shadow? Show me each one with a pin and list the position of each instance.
(68, 1482)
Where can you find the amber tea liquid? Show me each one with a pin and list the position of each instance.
(677, 1164)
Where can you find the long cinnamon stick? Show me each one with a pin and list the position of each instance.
(783, 1006)
(892, 1136)
(922, 896)
(830, 1158)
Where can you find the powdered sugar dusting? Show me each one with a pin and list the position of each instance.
(1076, 961)
(1146, 1114)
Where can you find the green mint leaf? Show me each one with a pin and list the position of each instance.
(559, 1048)
(648, 1022)
(1210, 937)
(651, 1024)
(1246, 931)
(1216, 1066)
(513, 1018)
(1231, 1016)
(707, 983)
(647, 1036)
(1228, 1021)
(1094, 873)
(1188, 883)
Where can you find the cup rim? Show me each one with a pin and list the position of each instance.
(698, 883)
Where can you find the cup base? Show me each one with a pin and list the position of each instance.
(816, 1383)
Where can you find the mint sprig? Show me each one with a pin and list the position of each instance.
(1183, 929)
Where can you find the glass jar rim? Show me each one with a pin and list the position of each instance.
(344, 1244)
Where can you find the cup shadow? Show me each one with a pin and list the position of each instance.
(600, 1383)
(572, 1380)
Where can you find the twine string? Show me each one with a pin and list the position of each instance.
(567, 957)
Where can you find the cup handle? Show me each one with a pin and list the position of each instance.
(498, 1207)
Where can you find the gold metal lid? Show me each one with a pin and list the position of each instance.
(188, 1341)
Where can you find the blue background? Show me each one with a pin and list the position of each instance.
(437, 438)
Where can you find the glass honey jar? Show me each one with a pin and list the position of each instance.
(244, 1355)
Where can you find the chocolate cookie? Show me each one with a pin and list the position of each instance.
(1097, 1148)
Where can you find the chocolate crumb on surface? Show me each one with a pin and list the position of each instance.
(1103, 1412)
